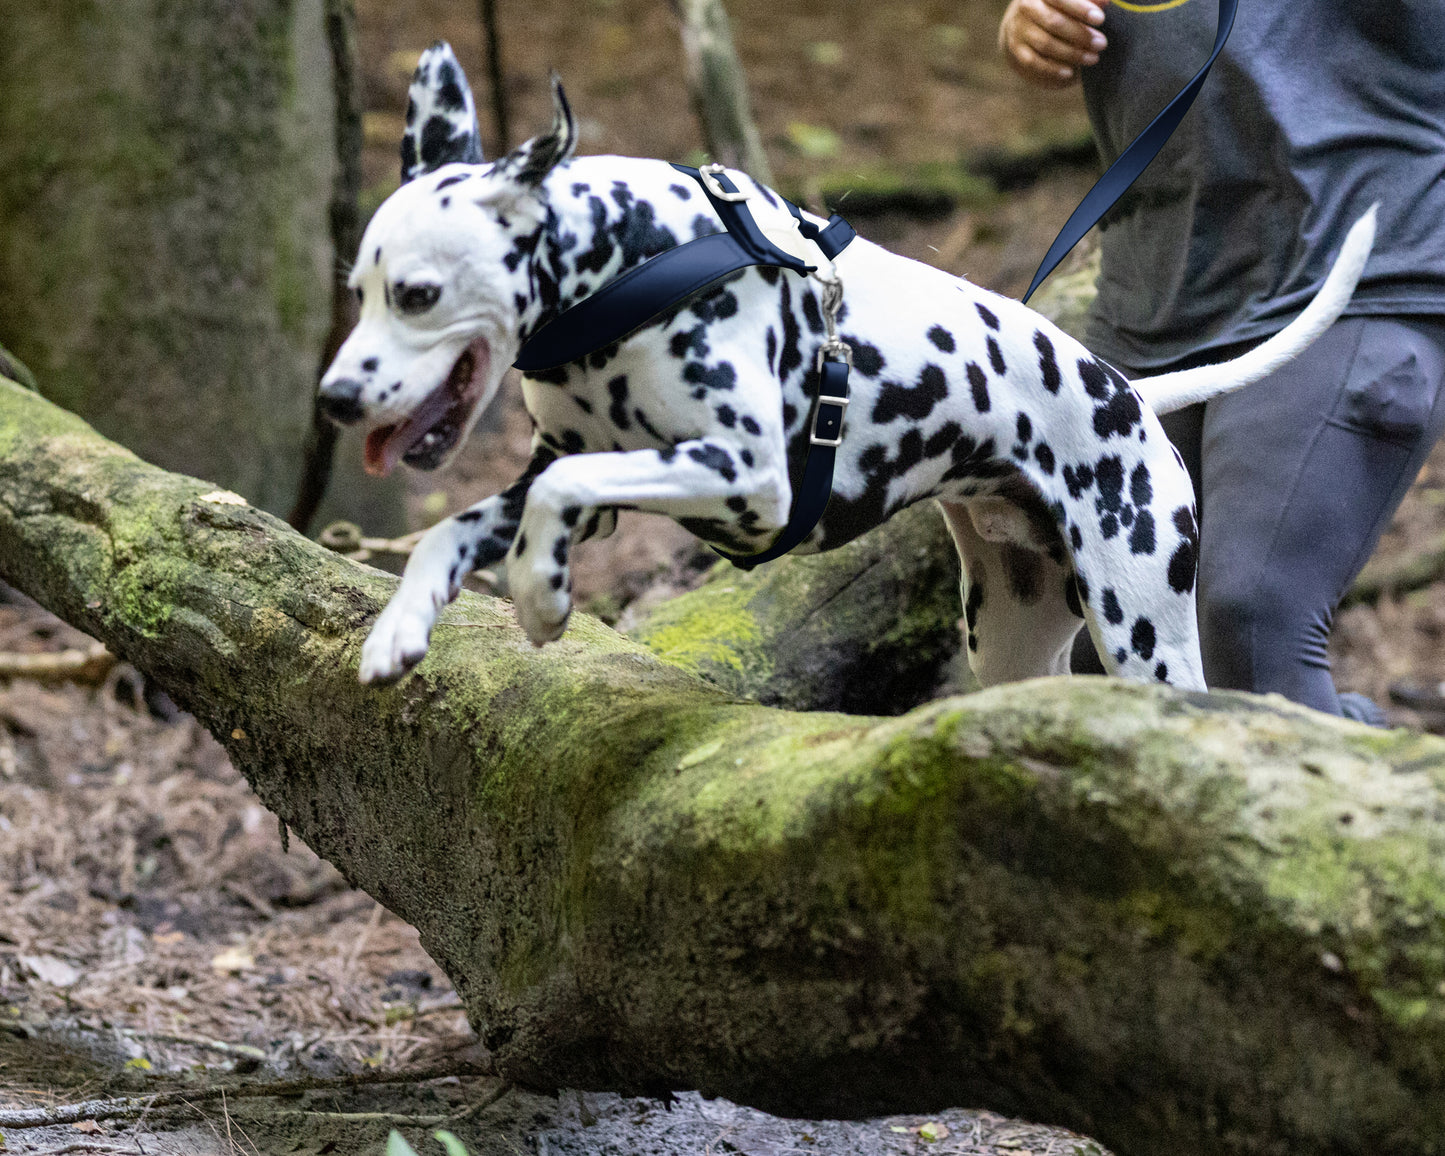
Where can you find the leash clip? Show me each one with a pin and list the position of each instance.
(709, 174)
(830, 408)
(834, 348)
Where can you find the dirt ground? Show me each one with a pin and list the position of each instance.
(156, 931)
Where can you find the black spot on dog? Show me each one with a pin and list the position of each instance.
(691, 343)
(1078, 479)
(583, 404)
(371, 364)
(916, 402)
(1045, 457)
(790, 415)
(1141, 537)
(867, 359)
(811, 313)
(718, 305)
(1096, 381)
(556, 581)
(681, 192)
(1021, 568)
(1025, 429)
(770, 274)
(995, 357)
(971, 606)
(792, 356)
(1113, 612)
(1142, 639)
(559, 550)
(703, 226)
(1076, 537)
(651, 430)
(1185, 559)
(573, 442)
(617, 411)
(666, 453)
(1141, 491)
(1118, 416)
(978, 384)
(580, 187)
(455, 179)
(726, 416)
(737, 504)
(720, 376)
(1047, 365)
(942, 338)
(1121, 656)
(448, 89)
(1161, 673)
(521, 544)
(747, 457)
(988, 316)
(571, 515)
(751, 426)
(938, 442)
(772, 349)
(716, 459)
(436, 141)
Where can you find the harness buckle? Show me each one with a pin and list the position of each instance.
(708, 174)
(833, 420)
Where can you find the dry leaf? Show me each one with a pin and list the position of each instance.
(89, 1127)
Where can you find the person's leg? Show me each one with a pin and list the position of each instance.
(1301, 473)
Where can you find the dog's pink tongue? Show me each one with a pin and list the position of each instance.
(382, 452)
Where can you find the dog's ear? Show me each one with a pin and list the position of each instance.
(441, 117)
(529, 163)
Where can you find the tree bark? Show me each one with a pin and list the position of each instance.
(1177, 922)
(719, 88)
(165, 257)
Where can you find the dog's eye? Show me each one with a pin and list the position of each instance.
(417, 298)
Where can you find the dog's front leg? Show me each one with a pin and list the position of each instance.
(707, 478)
(449, 551)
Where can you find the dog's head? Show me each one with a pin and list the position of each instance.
(440, 277)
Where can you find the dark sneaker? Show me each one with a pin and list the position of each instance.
(1360, 709)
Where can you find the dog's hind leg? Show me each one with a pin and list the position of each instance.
(1020, 610)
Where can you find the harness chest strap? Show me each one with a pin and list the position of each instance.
(624, 305)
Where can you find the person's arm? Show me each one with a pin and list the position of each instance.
(1048, 41)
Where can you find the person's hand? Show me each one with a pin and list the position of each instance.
(1048, 41)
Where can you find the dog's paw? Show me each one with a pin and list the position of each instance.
(396, 643)
(543, 603)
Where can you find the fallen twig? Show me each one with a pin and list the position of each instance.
(89, 665)
(127, 1106)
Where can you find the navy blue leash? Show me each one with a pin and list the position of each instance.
(1133, 160)
(622, 306)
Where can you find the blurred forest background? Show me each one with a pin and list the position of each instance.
(172, 176)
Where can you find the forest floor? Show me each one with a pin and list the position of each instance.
(157, 933)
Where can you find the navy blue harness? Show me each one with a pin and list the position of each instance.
(624, 305)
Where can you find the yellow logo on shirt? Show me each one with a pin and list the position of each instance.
(1161, 6)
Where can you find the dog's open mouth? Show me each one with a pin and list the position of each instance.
(425, 438)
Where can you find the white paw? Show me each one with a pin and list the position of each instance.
(542, 608)
(397, 642)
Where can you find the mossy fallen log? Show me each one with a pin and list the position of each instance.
(1179, 923)
(867, 628)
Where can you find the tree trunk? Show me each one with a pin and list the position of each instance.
(165, 255)
(719, 88)
(1179, 922)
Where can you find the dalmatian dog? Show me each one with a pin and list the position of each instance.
(1066, 500)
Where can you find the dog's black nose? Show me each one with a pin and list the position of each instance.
(341, 401)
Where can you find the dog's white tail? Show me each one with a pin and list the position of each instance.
(1171, 391)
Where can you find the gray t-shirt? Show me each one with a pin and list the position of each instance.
(1314, 109)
